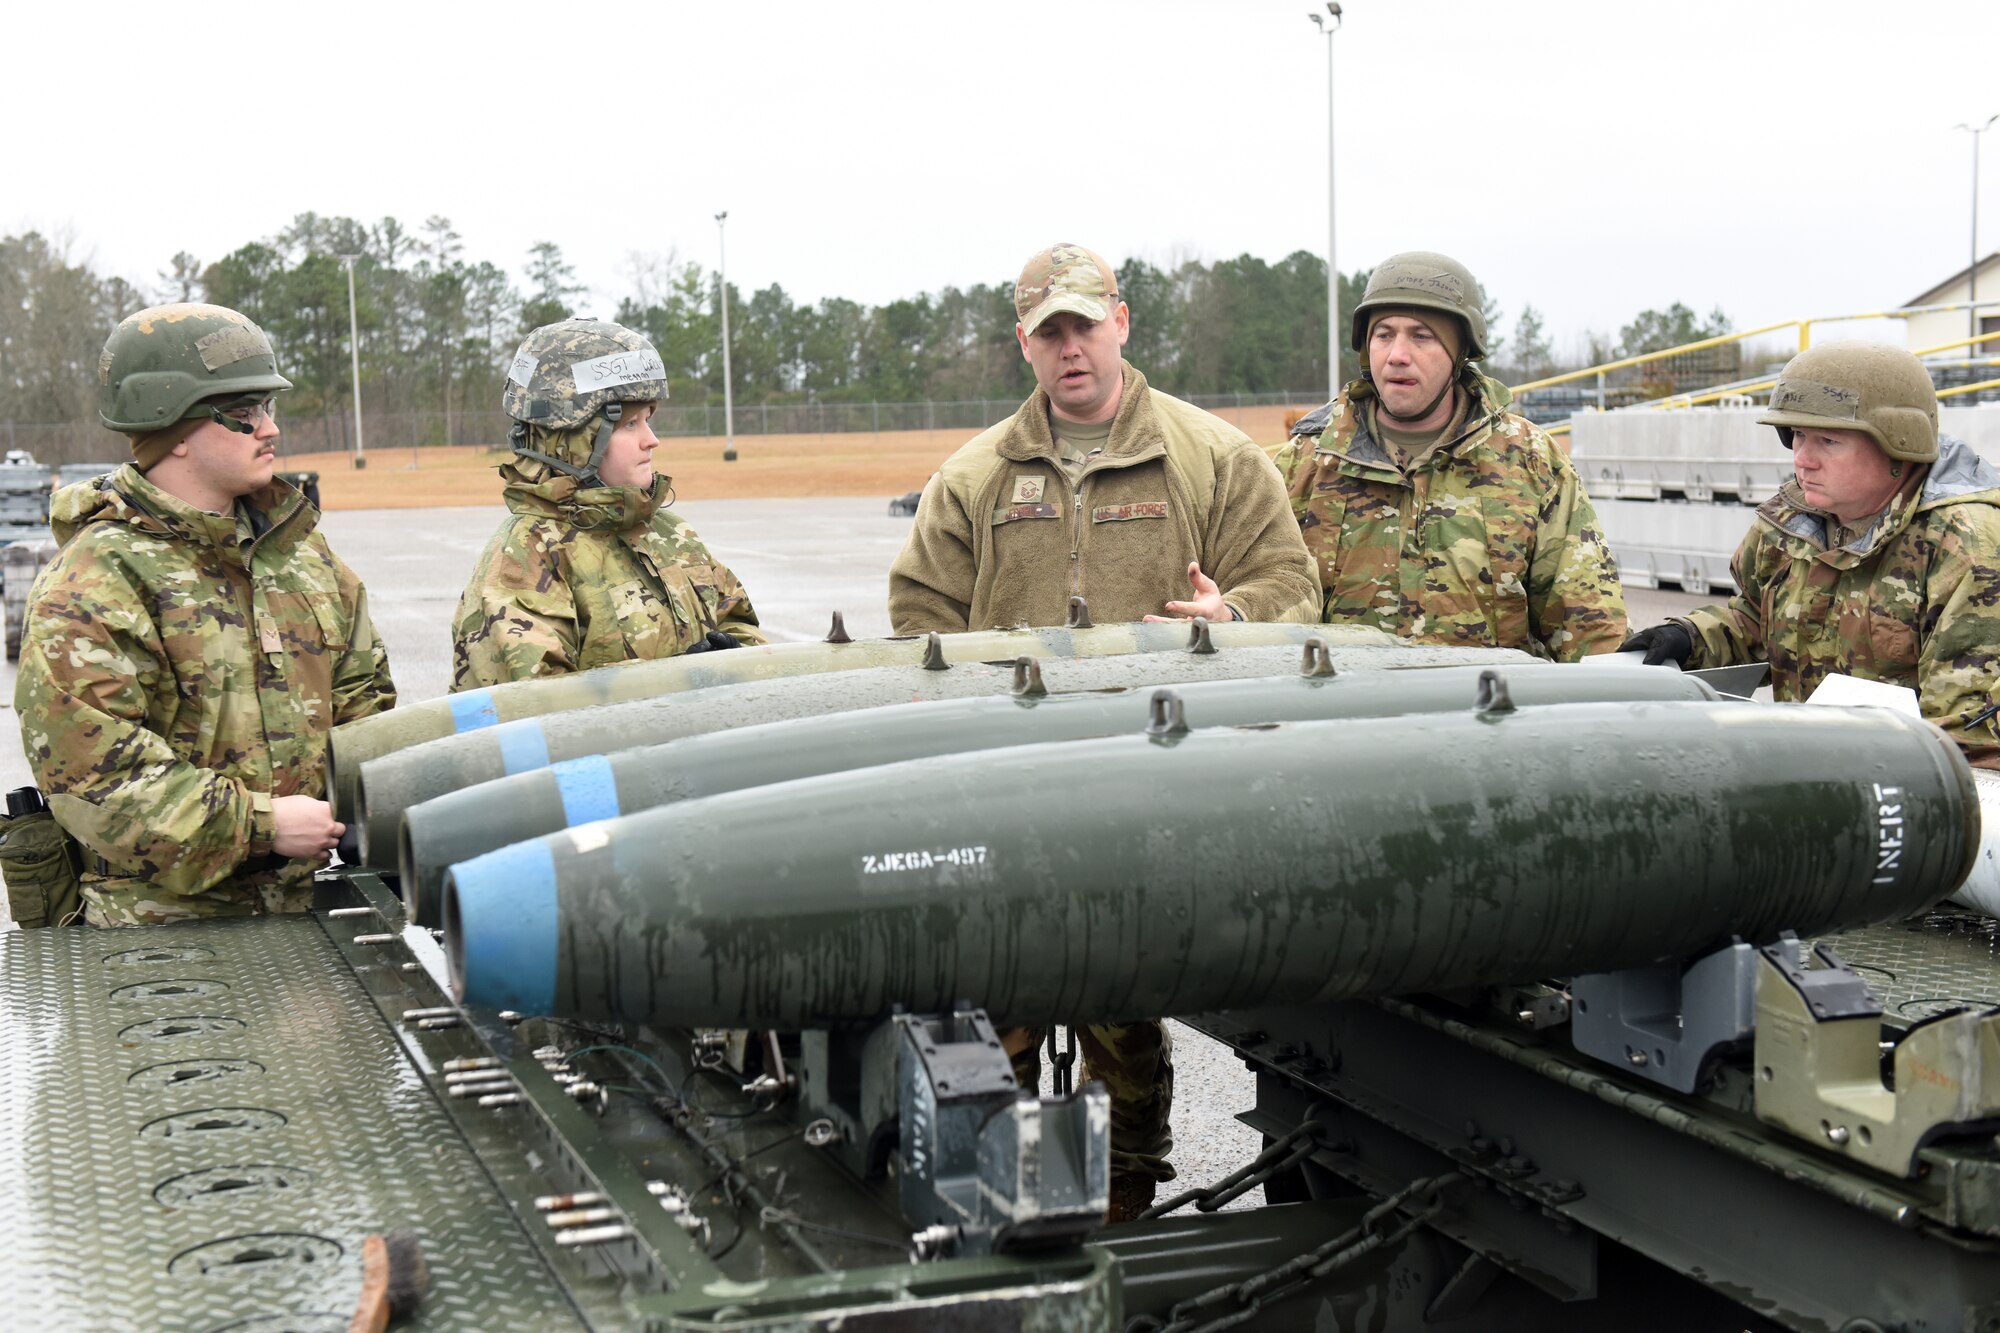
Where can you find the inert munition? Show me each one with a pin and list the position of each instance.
(356, 742)
(392, 783)
(1110, 879)
(475, 820)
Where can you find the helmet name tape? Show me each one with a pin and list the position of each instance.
(1444, 284)
(227, 346)
(522, 371)
(605, 372)
(1815, 399)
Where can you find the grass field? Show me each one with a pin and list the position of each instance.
(766, 465)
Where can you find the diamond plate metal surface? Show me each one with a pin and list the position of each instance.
(202, 1122)
(1930, 964)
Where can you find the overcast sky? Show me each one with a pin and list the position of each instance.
(1774, 157)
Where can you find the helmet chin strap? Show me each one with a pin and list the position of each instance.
(586, 475)
(1382, 404)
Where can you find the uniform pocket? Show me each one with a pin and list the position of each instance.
(39, 863)
(1890, 647)
(661, 622)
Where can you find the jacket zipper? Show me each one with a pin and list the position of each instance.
(1076, 508)
(1076, 537)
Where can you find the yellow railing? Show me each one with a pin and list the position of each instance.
(1962, 342)
(1626, 363)
(1969, 388)
(1804, 326)
(1674, 400)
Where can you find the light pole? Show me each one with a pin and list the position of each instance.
(1972, 269)
(1329, 26)
(728, 389)
(354, 353)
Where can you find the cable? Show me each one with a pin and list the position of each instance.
(636, 1054)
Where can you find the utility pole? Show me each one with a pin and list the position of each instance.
(1332, 270)
(728, 385)
(354, 355)
(1972, 268)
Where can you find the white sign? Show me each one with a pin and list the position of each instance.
(1853, 692)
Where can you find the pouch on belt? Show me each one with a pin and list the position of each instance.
(40, 864)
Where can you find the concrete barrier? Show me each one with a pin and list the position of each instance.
(1677, 489)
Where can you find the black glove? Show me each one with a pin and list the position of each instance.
(1662, 644)
(714, 641)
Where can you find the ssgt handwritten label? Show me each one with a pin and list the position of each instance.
(1889, 833)
(608, 372)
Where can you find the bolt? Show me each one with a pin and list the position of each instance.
(547, 1203)
(1638, 1059)
(577, 1217)
(1837, 1135)
(593, 1235)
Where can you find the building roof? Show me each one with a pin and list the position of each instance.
(1929, 294)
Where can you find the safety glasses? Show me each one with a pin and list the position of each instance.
(243, 417)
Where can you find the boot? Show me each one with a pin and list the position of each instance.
(1131, 1195)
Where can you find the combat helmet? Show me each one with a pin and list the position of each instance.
(159, 366)
(1879, 390)
(1426, 281)
(569, 373)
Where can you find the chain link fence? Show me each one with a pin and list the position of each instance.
(81, 442)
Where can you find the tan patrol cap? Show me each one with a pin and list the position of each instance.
(1065, 277)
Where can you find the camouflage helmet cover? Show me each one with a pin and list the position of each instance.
(1425, 281)
(159, 364)
(1880, 390)
(567, 373)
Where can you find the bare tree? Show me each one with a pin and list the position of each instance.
(181, 277)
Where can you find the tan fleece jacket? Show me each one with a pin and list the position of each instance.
(1002, 538)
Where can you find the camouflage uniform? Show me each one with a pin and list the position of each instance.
(1489, 539)
(178, 670)
(586, 574)
(1913, 601)
(581, 577)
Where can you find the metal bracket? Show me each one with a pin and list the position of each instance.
(1004, 1168)
(1735, 682)
(1819, 1064)
(1665, 1024)
(1534, 1006)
